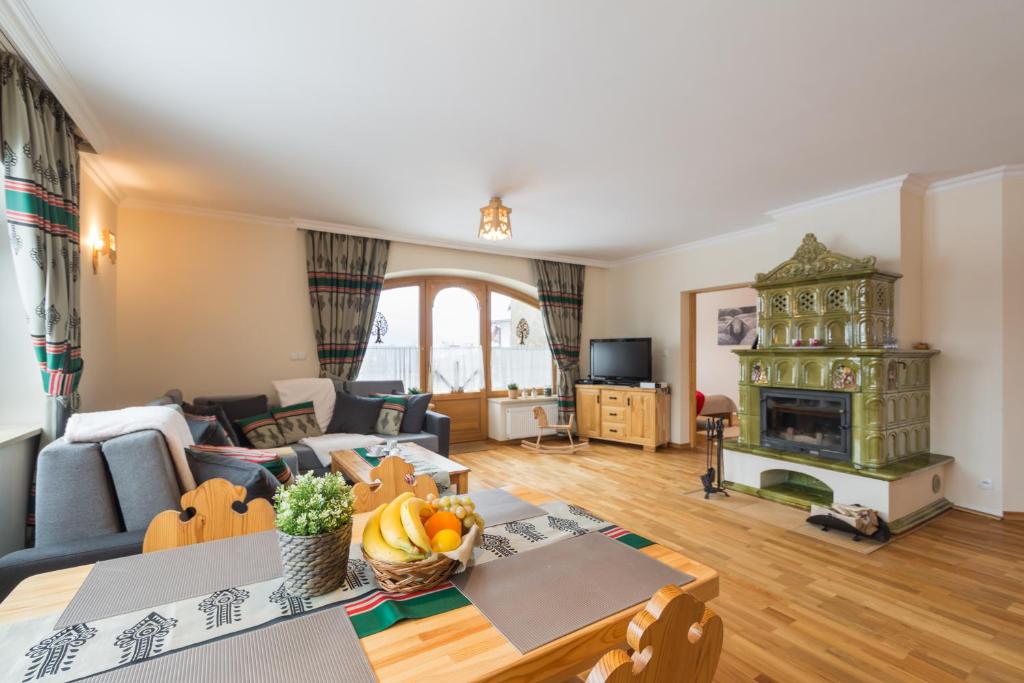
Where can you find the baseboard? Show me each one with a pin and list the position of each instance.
(982, 513)
(1013, 516)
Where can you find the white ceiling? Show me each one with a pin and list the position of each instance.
(611, 128)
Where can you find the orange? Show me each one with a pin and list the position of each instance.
(442, 520)
(445, 540)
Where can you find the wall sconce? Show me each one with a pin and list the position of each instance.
(103, 242)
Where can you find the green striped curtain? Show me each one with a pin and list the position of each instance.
(560, 291)
(346, 275)
(40, 158)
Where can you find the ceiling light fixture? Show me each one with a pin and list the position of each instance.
(494, 221)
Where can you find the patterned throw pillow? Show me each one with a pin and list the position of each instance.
(268, 459)
(297, 421)
(389, 421)
(262, 431)
(207, 431)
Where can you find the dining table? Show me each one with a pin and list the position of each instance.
(457, 645)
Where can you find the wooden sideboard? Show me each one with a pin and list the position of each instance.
(623, 414)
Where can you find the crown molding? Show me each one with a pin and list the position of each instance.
(28, 38)
(202, 212)
(995, 173)
(888, 184)
(95, 168)
(306, 224)
(697, 244)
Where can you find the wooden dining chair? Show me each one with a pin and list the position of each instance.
(392, 476)
(541, 416)
(215, 510)
(675, 637)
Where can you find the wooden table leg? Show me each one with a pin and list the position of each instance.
(461, 482)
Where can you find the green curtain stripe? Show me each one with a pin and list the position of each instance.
(341, 354)
(346, 283)
(26, 202)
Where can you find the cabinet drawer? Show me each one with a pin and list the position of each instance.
(613, 430)
(613, 414)
(613, 398)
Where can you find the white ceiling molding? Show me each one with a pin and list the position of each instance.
(302, 223)
(697, 244)
(24, 32)
(997, 173)
(93, 165)
(896, 183)
(214, 214)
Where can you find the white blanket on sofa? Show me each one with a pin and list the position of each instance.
(112, 423)
(323, 445)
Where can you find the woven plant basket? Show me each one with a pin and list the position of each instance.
(314, 565)
(409, 577)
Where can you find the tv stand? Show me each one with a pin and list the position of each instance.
(598, 381)
(625, 414)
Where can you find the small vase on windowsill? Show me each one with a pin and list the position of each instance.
(513, 391)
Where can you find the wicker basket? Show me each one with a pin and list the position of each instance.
(409, 577)
(314, 565)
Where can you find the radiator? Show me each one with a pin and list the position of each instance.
(520, 423)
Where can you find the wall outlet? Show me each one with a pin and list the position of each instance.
(297, 355)
(985, 484)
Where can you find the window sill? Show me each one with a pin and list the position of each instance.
(14, 433)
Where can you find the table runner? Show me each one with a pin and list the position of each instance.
(313, 648)
(36, 650)
(420, 466)
(538, 597)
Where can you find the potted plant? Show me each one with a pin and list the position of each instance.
(314, 531)
(513, 390)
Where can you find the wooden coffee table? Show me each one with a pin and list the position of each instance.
(358, 470)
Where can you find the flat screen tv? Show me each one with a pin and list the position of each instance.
(621, 360)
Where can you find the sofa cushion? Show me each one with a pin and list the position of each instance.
(143, 476)
(214, 410)
(237, 408)
(206, 430)
(297, 421)
(415, 412)
(262, 431)
(389, 421)
(170, 397)
(270, 460)
(371, 387)
(74, 494)
(354, 414)
(258, 481)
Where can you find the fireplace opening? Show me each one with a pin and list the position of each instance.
(812, 422)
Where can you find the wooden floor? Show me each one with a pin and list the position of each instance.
(944, 603)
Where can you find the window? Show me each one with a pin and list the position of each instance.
(394, 348)
(519, 346)
(457, 359)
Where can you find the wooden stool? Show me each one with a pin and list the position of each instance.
(215, 510)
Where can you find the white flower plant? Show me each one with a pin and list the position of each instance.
(314, 505)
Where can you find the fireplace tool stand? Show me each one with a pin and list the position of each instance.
(712, 479)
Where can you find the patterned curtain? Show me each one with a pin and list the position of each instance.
(346, 275)
(41, 191)
(560, 291)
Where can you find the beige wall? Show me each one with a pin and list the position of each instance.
(1013, 343)
(962, 315)
(718, 368)
(218, 305)
(98, 388)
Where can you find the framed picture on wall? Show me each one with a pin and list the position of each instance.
(737, 326)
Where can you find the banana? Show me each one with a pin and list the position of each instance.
(374, 544)
(413, 526)
(391, 526)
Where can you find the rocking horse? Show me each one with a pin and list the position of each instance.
(542, 424)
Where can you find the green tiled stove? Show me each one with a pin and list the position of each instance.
(829, 412)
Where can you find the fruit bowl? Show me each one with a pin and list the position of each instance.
(413, 544)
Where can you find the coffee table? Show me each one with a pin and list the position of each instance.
(358, 470)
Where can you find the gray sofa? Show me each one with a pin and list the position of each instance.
(94, 502)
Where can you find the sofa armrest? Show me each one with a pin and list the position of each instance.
(17, 566)
(440, 426)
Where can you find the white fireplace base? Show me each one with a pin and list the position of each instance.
(903, 500)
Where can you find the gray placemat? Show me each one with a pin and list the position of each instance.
(131, 583)
(498, 506)
(540, 596)
(319, 647)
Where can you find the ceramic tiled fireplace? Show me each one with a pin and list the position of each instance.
(825, 391)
